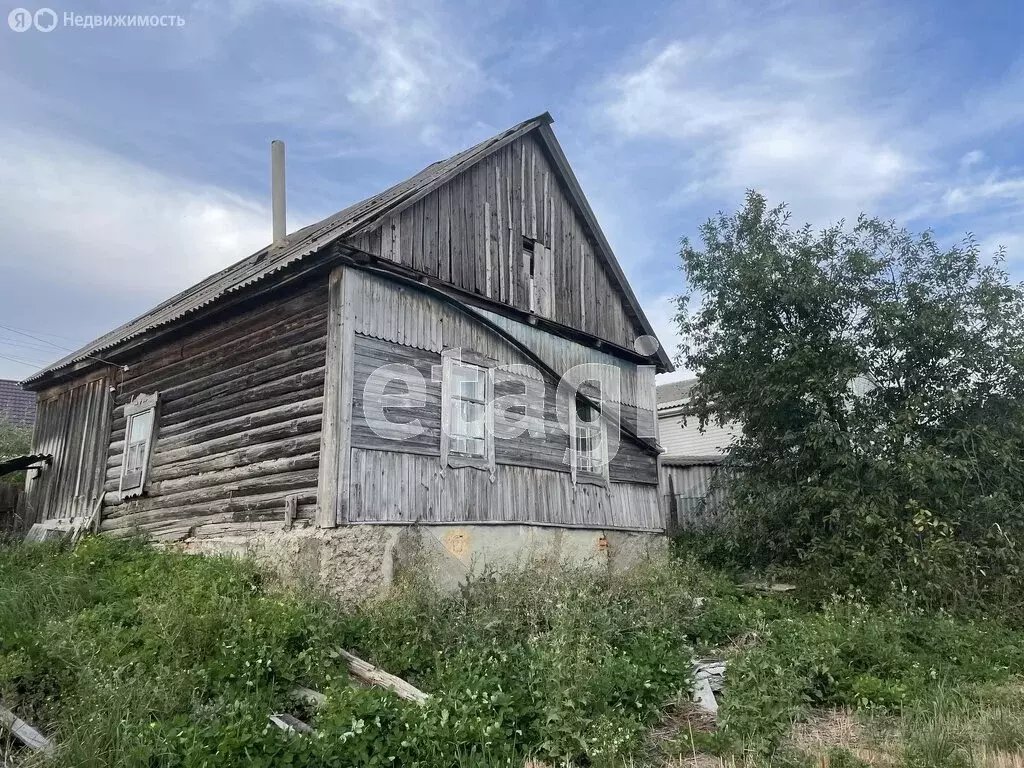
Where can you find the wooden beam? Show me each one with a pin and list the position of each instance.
(24, 732)
(309, 696)
(368, 674)
(288, 722)
(336, 434)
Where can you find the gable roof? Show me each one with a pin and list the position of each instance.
(351, 221)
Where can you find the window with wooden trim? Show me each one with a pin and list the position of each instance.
(467, 395)
(589, 449)
(467, 426)
(138, 443)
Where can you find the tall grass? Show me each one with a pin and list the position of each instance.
(130, 656)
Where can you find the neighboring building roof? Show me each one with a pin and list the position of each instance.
(16, 405)
(674, 393)
(350, 221)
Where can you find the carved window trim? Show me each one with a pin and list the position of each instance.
(590, 466)
(141, 415)
(451, 359)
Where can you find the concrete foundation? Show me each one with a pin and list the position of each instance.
(359, 562)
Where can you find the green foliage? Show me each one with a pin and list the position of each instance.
(131, 656)
(878, 380)
(794, 656)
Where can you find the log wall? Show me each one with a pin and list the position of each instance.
(241, 406)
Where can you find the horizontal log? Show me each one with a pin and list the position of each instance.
(297, 384)
(212, 530)
(260, 366)
(212, 391)
(220, 507)
(239, 424)
(208, 336)
(208, 392)
(295, 446)
(256, 486)
(237, 474)
(177, 361)
(256, 436)
(245, 405)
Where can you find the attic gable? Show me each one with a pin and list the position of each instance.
(513, 226)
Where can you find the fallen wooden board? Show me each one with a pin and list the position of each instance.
(704, 696)
(776, 588)
(24, 732)
(365, 672)
(287, 722)
(708, 677)
(309, 696)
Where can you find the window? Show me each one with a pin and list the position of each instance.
(138, 439)
(588, 442)
(467, 415)
(467, 425)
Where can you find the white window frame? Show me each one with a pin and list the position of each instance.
(138, 452)
(590, 464)
(451, 360)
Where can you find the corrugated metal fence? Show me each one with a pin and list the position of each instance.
(691, 491)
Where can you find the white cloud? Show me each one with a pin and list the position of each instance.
(86, 217)
(992, 190)
(770, 103)
(1012, 244)
(973, 157)
(391, 62)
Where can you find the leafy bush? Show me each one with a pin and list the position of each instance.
(851, 654)
(14, 441)
(131, 656)
(879, 384)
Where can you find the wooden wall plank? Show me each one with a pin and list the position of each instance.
(240, 422)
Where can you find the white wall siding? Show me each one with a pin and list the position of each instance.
(688, 440)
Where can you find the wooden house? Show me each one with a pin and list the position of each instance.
(408, 360)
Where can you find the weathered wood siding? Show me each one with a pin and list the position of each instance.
(395, 477)
(692, 493)
(72, 425)
(406, 487)
(241, 406)
(470, 233)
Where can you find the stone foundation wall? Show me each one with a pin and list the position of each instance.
(360, 561)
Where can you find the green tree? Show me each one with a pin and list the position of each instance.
(14, 441)
(878, 379)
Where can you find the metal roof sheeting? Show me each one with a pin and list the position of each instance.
(351, 221)
(297, 246)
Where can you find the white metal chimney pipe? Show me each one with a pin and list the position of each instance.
(277, 197)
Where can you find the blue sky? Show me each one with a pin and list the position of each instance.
(135, 161)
